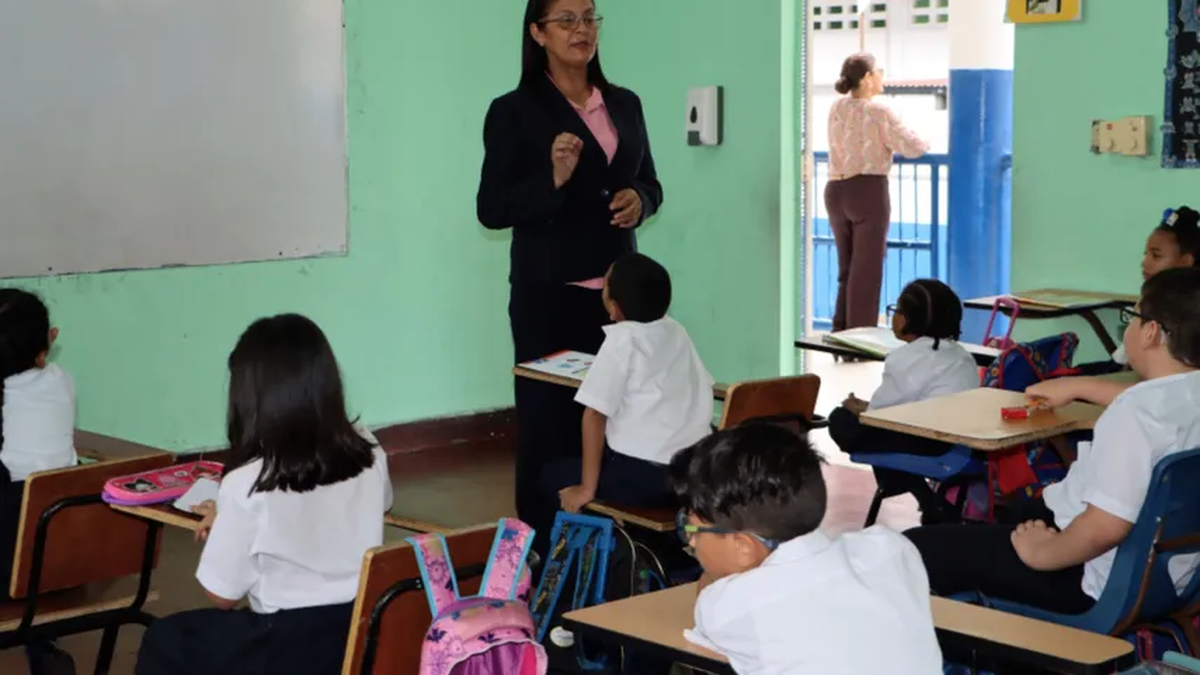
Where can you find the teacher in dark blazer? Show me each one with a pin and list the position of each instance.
(567, 166)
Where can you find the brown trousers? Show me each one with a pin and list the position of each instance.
(859, 211)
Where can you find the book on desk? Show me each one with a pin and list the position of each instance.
(879, 342)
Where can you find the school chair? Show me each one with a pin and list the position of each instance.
(391, 613)
(1140, 589)
(788, 400)
(1016, 369)
(79, 565)
(785, 400)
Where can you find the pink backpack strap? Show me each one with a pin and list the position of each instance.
(437, 572)
(506, 565)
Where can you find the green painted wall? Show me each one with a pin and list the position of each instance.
(1081, 220)
(417, 311)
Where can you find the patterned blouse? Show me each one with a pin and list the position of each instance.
(863, 136)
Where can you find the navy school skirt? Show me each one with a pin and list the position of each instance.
(309, 641)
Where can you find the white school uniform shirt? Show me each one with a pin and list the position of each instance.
(855, 604)
(650, 383)
(1144, 424)
(39, 421)
(289, 550)
(917, 371)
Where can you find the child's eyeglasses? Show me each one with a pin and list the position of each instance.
(686, 531)
(891, 310)
(1128, 314)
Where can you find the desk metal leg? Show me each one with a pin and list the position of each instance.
(1101, 332)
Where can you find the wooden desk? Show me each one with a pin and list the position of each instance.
(1021, 640)
(719, 389)
(972, 418)
(173, 517)
(655, 623)
(98, 447)
(162, 513)
(984, 356)
(1034, 307)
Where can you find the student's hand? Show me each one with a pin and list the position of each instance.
(564, 155)
(626, 208)
(1054, 393)
(1029, 540)
(574, 498)
(208, 510)
(855, 404)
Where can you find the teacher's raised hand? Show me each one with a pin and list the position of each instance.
(627, 208)
(564, 154)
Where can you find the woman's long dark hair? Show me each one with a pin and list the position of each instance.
(287, 408)
(534, 62)
(24, 336)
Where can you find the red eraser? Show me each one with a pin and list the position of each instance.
(1017, 413)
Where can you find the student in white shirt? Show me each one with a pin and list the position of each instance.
(928, 318)
(1057, 551)
(37, 426)
(777, 594)
(1174, 243)
(647, 393)
(302, 499)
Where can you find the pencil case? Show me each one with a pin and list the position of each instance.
(159, 485)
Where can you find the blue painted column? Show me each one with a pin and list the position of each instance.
(981, 100)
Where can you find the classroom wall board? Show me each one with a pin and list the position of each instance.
(156, 133)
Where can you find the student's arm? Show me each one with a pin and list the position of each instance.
(1114, 490)
(890, 391)
(900, 138)
(507, 196)
(594, 423)
(1089, 536)
(646, 181)
(1061, 391)
(226, 570)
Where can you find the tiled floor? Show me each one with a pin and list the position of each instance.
(461, 486)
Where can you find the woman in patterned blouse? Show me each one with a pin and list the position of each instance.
(863, 136)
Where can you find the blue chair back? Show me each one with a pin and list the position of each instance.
(1165, 529)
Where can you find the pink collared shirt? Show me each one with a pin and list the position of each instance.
(863, 136)
(595, 115)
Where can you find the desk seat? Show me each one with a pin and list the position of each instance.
(74, 603)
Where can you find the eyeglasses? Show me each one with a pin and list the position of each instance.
(571, 22)
(891, 310)
(1128, 314)
(687, 531)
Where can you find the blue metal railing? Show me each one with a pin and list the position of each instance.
(917, 238)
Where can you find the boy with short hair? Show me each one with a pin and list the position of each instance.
(647, 395)
(1057, 552)
(780, 596)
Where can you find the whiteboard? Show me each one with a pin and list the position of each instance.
(151, 133)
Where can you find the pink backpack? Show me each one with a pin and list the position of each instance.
(488, 634)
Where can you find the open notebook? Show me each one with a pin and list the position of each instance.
(571, 365)
(201, 491)
(875, 341)
(880, 342)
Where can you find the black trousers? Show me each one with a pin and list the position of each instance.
(309, 641)
(854, 438)
(548, 318)
(624, 480)
(981, 558)
(11, 494)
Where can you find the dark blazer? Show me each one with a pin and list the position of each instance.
(566, 234)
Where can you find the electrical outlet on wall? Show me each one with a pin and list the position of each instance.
(1128, 136)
